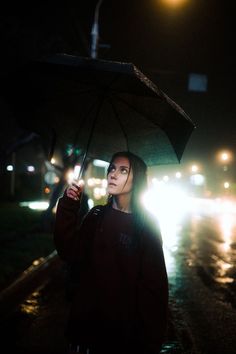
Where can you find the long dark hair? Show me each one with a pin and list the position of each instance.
(139, 169)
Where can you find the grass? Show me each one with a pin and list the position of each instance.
(21, 240)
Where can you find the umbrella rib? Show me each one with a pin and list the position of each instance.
(119, 121)
(128, 104)
(175, 107)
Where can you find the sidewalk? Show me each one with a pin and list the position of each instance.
(38, 322)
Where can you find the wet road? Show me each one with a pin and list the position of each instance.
(200, 251)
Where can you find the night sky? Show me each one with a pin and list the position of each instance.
(196, 36)
(165, 43)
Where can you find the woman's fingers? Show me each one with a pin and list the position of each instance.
(74, 191)
(72, 194)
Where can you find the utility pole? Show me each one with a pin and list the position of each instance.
(95, 32)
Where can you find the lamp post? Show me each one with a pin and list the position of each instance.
(95, 32)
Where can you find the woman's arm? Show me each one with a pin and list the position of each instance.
(65, 229)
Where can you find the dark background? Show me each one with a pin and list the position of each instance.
(164, 42)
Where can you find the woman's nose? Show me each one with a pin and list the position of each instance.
(114, 174)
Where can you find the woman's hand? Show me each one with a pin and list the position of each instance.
(75, 190)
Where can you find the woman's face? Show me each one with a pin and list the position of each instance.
(120, 177)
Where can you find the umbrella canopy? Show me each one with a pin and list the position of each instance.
(100, 107)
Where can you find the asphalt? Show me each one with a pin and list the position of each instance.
(34, 310)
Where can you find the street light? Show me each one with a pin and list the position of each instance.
(226, 185)
(194, 168)
(174, 3)
(225, 156)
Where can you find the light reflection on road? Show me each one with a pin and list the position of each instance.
(203, 235)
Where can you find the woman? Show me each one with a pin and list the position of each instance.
(120, 305)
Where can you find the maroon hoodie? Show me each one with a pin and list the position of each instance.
(122, 293)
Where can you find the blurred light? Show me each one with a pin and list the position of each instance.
(36, 205)
(73, 174)
(76, 171)
(227, 222)
(174, 3)
(225, 263)
(103, 192)
(100, 163)
(194, 168)
(47, 190)
(226, 185)
(90, 203)
(10, 168)
(30, 168)
(197, 82)
(104, 183)
(178, 175)
(69, 149)
(36, 262)
(31, 305)
(50, 177)
(225, 156)
(97, 193)
(197, 180)
(166, 178)
(224, 206)
(91, 182)
(70, 176)
(53, 160)
(154, 181)
(56, 179)
(167, 203)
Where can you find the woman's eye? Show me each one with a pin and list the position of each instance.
(124, 171)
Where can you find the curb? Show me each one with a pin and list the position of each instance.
(26, 283)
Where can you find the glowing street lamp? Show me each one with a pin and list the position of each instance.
(194, 168)
(226, 185)
(174, 3)
(178, 175)
(225, 156)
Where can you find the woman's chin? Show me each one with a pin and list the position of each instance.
(111, 191)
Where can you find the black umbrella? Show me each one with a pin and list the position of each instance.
(100, 107)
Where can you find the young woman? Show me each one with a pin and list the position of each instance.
(120, 304)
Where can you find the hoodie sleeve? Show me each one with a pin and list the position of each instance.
(153, 292)
(67, 234)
